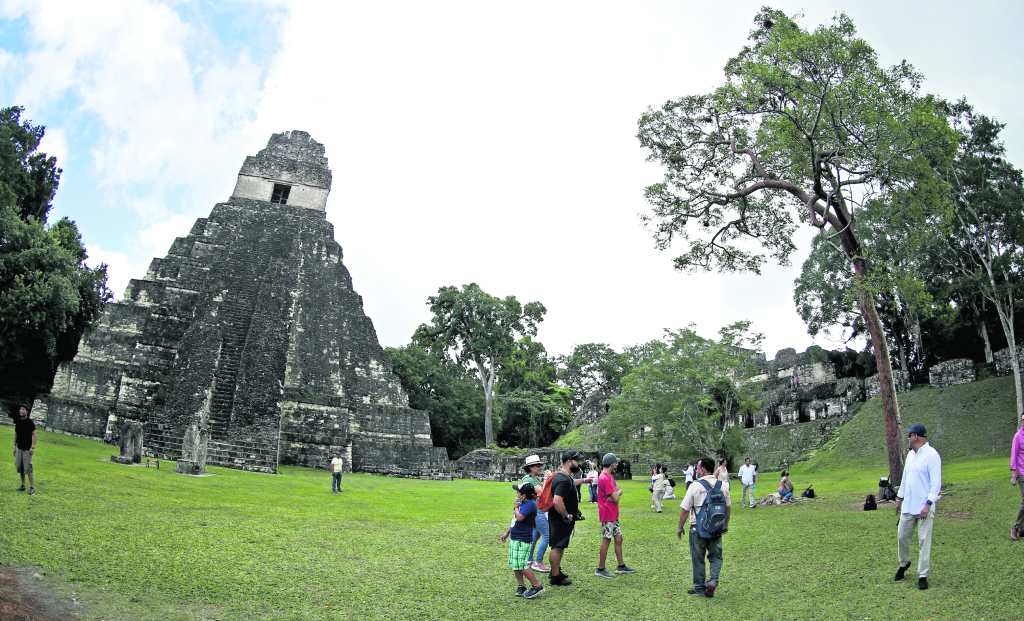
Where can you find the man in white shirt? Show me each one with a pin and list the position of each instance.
(700, 548)
(919, 491)
(337, 467)
(689, 475)
(748, 477)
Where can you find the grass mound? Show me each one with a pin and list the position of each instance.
(967, 420)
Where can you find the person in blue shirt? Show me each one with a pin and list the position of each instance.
(519, 536)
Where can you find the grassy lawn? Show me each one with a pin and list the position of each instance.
(136, 543)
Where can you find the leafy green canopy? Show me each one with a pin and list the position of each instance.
(477, 330)
(28, 179)
(534, 408)
(445, 390)
(805, 126)
(48, 296)
(681, 401)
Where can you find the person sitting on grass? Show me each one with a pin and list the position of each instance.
(785, 488)
(519, 537)
(608, 494)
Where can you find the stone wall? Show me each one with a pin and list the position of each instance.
(249, 338)
(492, 465)
(871, 388)
(1003, 358)
(952, 372)
(771, 447)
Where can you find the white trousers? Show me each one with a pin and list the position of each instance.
(924, 538)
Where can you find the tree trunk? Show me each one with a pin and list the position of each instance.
(887, 388)
(488, 417)
(982, 327)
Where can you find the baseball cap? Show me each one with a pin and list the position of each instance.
(918, 430)
(526, 489)
(571, 454)
(609, 459)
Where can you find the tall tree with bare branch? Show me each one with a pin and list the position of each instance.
(805, 128)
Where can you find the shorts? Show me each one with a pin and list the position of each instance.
(518, 554)
(611, 530)
(23, 461)
(561, 533)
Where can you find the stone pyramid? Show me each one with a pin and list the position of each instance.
(246, 345)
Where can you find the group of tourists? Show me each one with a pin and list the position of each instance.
(547, 509)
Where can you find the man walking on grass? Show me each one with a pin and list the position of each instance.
(1017, 476)
(608, 494)
(915, 502)
(708, 506)
(748, 478)
(24, 448)
(562, 516)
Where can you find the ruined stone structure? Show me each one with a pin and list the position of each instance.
(952, 372)
(1003, 359)
(246, 345)
(491, 465)
(130, 435)
(873, 389)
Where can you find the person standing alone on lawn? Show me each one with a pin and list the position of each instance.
(707, 505)
(608, 494)
(539, 541)
(337, 467)
(919, 491)
(562, 516)
(660, 482)
(520, 534)
(1017, 476)
(748, 478)
(24, 448)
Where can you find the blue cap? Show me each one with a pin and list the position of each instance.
(918, 430)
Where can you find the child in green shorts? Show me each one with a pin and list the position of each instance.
(519, 536)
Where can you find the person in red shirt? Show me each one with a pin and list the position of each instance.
(608, 494)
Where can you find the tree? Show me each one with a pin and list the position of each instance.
(475, 329)
(682, 401)
(445, 390)
(592, 367)
(48, 296)
(806, 126)
(28, 179)
(986, 222)
(534, 407)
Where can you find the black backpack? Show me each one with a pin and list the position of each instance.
(809, 492)
(711, 516)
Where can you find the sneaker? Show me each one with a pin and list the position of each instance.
(533, 592)
(520, 590)
(901, 572)
(709, 589)
(603, 573)
(21, 489)
(695, 591)
(560, 580)
(922, 583)
(624, 569)
(31, 491)
(541, 567)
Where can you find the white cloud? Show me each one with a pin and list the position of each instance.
(120, 267)
(171, 128)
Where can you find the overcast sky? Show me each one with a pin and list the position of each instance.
(489, 142)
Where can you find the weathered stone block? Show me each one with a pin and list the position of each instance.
(871, 388)
(952, 372)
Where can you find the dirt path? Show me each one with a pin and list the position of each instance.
(25, 596)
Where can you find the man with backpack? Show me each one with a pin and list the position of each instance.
(708, 506)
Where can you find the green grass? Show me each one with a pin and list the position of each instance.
(137, 544)
(973, 420)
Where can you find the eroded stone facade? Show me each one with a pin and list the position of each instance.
(952, 372)
(246, 346)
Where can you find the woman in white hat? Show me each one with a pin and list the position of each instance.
(533, 466)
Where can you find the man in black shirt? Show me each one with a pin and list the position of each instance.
(562, 516)
(24, 447)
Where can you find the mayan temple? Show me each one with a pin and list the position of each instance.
(246, 345)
